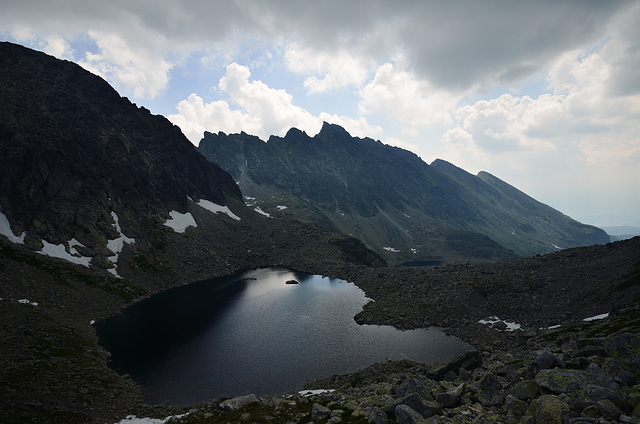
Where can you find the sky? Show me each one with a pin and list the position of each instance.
(544, 94)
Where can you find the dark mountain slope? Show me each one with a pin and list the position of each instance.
(513, 218)
(388, 197)
(85, 172)
(72, 150)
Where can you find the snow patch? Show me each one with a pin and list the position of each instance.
(308, 393)
(491, 321)
(5, 230)
(132, 419)
(28, 302)
(60, 251)
(117, 244)
(281, 208)
(215, 208)
(179, 222)
(261, 212)
(391, 249)
(597, 317)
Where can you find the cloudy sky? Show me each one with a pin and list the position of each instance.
(543, 94)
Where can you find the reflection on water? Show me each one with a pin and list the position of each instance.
(255, 334)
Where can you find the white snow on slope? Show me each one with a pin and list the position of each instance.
(491, 321)
(179, 222)
(391, 249)
(281, 207)
(213, 207)
(117, 244)
(597, 317)
(5, 230)
(132, 419)
(261, 212)
(59, 251)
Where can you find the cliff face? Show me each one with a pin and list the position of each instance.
(72, 152)
(401, 207)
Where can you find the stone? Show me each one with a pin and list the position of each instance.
(451, 398)
(593, 393)
(378, 416)
(546, 360)
(525, 390)
(412, 385)
(319, 412)
(548, 409)
(406, 415)
(238, 402)
(468, 360)
(608, 409)
(628, 420)
(558, 380)
(515, 406)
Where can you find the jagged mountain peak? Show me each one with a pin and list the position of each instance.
(392, 200)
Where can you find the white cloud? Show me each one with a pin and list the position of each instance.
(137, 68)
(583, 112)
(194, 117)
(417, 104)
(337, 69)
(274, 107)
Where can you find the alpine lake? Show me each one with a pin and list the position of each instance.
(265, 331)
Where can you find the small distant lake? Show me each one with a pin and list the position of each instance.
(252, 333)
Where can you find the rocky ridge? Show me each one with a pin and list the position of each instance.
(398, 205)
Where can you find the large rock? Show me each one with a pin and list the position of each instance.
(548, 409)
(546, 360)
(406, 415)
(468, 360)
(319, 412)
(451, 397)
(559, 381)
(525, 390)
(515, 406)
(412, 385)
(238, 402)
(378, 416)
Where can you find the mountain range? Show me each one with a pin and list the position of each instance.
(103, 204)
(399, 206)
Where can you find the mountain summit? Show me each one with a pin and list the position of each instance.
(401, 207)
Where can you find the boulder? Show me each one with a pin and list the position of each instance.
(558, 380)
(417, 404)
(515, 406)
(378, 416)
(546, 360)
(451, 398)
(608, 410)
(406, 415)
(238, 402)
(468, 360)
(548, 409)
(319, 412)
(525, 390)
(412, 385)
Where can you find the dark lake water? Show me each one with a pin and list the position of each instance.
(253, 333)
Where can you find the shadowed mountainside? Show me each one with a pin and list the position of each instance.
(401, 207)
